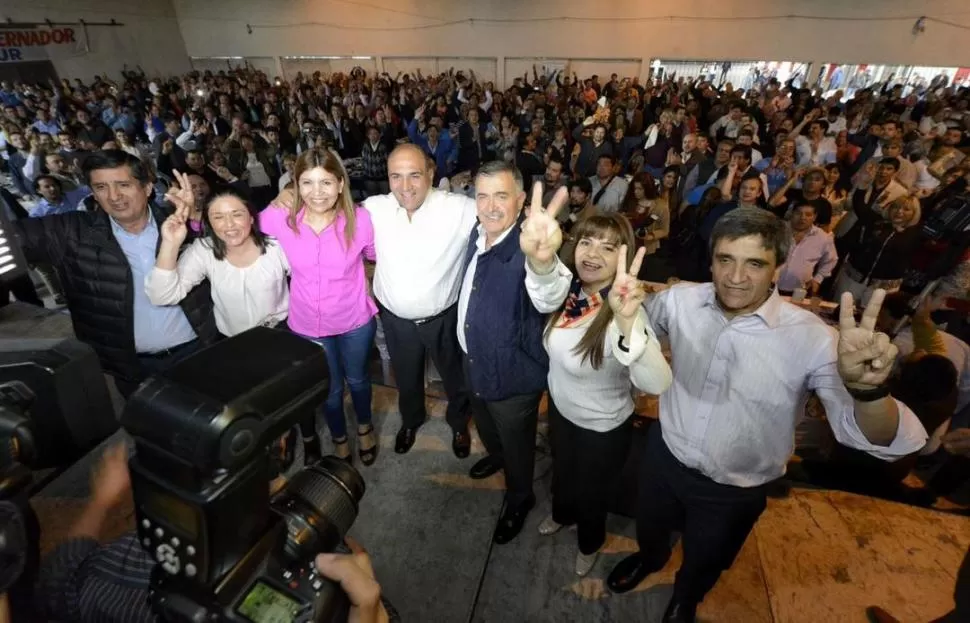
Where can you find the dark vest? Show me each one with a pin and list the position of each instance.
(503, 330)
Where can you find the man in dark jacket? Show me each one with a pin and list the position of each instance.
(103, 258)
(500, 332)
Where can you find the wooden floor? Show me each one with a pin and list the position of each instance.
(824, 556)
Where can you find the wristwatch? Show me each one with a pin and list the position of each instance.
(869, 395)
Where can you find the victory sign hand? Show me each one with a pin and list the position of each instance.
(541, 237)
(174, 229)
(627, 294)
(865, 356)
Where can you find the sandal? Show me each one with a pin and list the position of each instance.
(342, 443)
(367, 455)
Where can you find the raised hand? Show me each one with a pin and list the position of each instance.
(627, 294)
(541, 237)
(222, 172)
(865, 356)
(174, 229)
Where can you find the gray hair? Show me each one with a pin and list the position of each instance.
(743, 222)
(497, 167)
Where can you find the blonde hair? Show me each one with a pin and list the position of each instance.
(910, 201)
(330, 162)
(613, 228)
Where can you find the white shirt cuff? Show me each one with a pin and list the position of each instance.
(910, 435)
(632, 346)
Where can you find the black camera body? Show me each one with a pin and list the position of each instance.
(201, 472)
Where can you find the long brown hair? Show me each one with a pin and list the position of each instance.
(614, 228)
(330, 162)
(649, 185)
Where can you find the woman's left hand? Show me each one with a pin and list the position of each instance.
(627, 294)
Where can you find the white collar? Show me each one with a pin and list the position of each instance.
(480, 242)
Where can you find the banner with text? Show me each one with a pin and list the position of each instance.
(23, 43)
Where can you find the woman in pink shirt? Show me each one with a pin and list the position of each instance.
(326, 238)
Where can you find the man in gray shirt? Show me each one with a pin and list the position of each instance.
(609, 189)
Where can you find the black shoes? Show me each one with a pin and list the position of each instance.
(461, 444)
(511, 521)
(628, 573)
(679, 612)
(484, 468)
(875, 614)
(405, 439)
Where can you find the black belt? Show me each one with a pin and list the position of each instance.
(420, 321)
(167, 352)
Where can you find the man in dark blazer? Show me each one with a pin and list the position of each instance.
(500, 333)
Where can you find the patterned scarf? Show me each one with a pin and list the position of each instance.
(578, 308)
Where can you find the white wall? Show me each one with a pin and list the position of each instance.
(634, 31)
(150, 36)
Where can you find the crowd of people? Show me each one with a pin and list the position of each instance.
(170, 213)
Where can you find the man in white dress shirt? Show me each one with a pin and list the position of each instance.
(420, 236)
(744, 362)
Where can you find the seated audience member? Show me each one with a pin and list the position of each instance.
(439, 146)
(374, 155)
(647, 212)
(599, 350)
(608, 187)
(750, 195)
(247, 271)
(812, 256)
(54, 199)
(879, 251)
(590, 149)
(813, 183)
(894, 309)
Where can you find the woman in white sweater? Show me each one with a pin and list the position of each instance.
(600, 346)
(246, 269)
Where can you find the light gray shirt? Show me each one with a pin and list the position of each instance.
(740, 386)
(612, 197)
(812, 259)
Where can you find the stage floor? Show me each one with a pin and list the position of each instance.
(815, 556)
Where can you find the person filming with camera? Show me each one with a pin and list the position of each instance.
(82, 580)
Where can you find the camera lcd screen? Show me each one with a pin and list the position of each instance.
(265, 604)
(171, 511)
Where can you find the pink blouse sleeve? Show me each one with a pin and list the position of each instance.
(272, 219)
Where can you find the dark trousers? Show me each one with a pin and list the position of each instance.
(586, 467)
(507, 429)
(152, 364)
(715, 519)
(407, 342)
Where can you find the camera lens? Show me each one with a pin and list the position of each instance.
(320, 504)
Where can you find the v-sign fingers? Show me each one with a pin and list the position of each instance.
(637, 260)
(537, 196)
(846, 312)
(871, 313)
(620, 266)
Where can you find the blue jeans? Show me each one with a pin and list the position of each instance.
(347, 357)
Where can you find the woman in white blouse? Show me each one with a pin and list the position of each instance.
(600, 346)
(246, 269)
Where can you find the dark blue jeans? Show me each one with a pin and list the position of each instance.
(348, 355)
